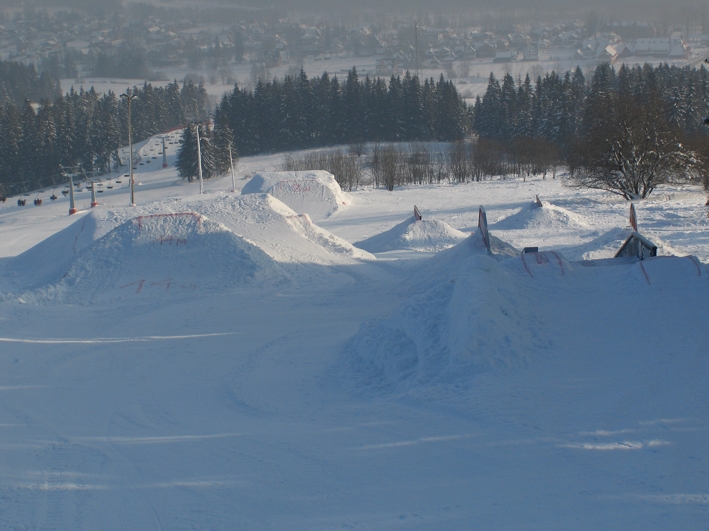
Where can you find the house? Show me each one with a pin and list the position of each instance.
(674, 47)
(485, 49)
(505, 56)
(531, 52)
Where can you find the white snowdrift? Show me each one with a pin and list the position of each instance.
(476, 313)
(315, 193)
(541, 218)
(156, 255)
(427, 235)
(279, 231)
(49, 260)
(466, 316)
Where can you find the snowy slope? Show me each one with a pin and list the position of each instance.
(287, 380)
(470, 313)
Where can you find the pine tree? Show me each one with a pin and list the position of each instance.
(187, 154)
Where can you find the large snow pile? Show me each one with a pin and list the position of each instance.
(427, 235)
(548, 217)
(466, 316)
(158, 255)
(47, 261)
(315, 193)
(277, 229)
(471, 312)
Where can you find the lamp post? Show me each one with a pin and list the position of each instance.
(130, 97)
(231, 163)
(199, 161)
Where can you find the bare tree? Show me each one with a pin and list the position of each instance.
(375, 164)
(345, 167)
(458, 162)
(390, 164)
(638, 153)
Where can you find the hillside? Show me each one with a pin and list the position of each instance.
(222, 361)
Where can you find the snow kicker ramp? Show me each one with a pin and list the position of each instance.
(427, 235)
(49, 260)
(159, 255)
(286, 236)
(470, 312)
(315, 193)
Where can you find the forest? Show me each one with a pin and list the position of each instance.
(624, 131)
(83, 132)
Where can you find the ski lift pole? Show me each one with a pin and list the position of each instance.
(231, 163)
(72, 203)
(164, 155)
(93, 195)
(129, 98)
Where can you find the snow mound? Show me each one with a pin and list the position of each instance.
(315, 193)
(547, 217)
(160, 255)
(476, 314)
(279, 231)
(49, 260)
(471, 315)
(428, 235)
(447, 262)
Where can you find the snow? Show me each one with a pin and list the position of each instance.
(315, 193)
(182, 252)
(426, 235)
(287, 379)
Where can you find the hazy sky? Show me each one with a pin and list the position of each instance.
(684, 13)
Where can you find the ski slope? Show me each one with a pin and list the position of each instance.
(223, 361)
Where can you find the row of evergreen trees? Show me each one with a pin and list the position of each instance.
(625, 132)
(297, 112)
(85, 130)
(564, 108)
(19, 82)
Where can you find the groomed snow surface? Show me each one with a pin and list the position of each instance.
(266, 361)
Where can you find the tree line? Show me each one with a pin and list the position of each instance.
(85, 131)
(625, 132)
(413, 163)
(19, 82)
(299, 113)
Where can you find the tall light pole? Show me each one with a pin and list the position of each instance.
(231, 163)
(199, 161)
(416, 45)
(130, 97)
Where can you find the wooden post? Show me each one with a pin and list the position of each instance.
(633, 218)
(482, 225)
